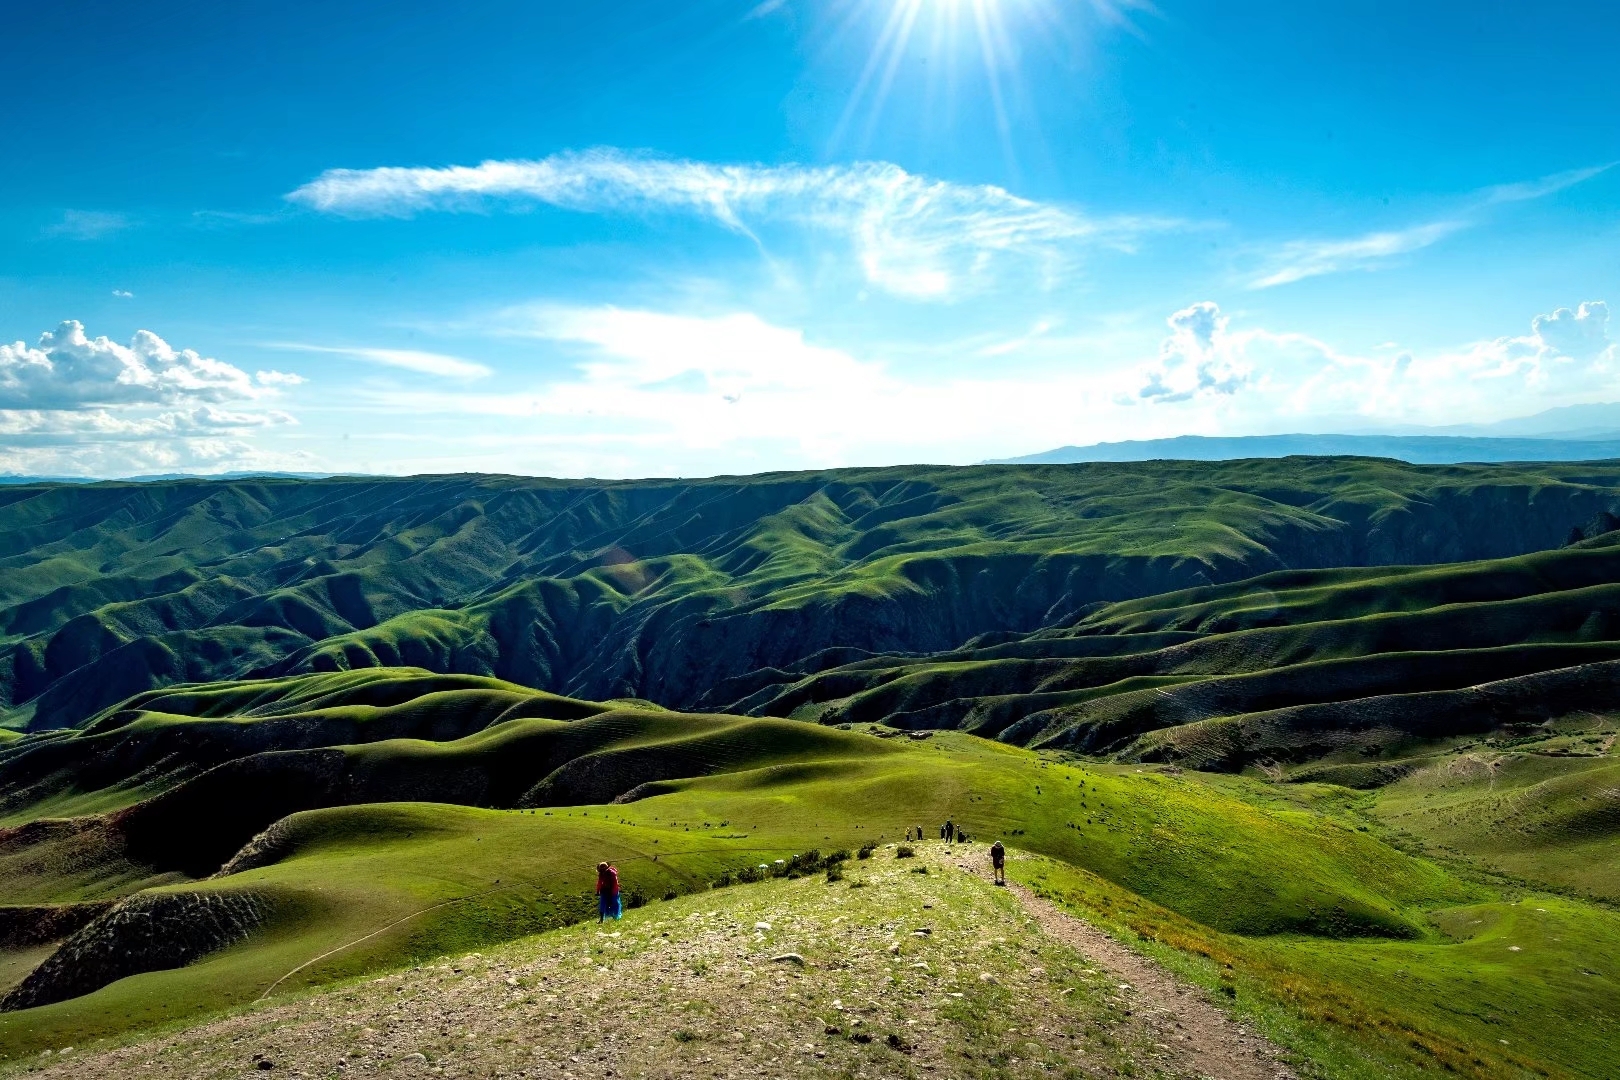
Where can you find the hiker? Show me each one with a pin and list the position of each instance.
(607, 892)
(998, 862)
(950, 832)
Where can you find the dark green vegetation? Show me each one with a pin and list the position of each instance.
(1358, 674)
(665, 590)
(1343, 725)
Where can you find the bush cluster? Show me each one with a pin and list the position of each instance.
(801, 865)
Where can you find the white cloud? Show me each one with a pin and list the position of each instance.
(1193, 360)
(1582, 334)
(68, 370)
(121, 458)
(1290, 381)
(87, 224)
(76, 405)
(123, 294)
(661, 393)
(1297, 260)
(426, 363)
(1543, 186)
(911, 235)
(102, 424)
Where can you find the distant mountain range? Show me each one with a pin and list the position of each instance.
(1417, 449)
(1570, 433)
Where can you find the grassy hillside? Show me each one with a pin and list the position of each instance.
(1353, 670)
(665, 589)
(1292, 886)
(1334, 737)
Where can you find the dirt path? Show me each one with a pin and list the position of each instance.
(1205, 1040)
(904, 970)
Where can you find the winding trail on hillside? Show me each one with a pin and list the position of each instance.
(1206, 1040)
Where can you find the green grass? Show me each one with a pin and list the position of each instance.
(1355, 666)
(688, 986)
(1288, 884)
(1461, 1001)
(110, 589)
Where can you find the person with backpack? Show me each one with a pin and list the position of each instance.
(607, 892)
(998, 862)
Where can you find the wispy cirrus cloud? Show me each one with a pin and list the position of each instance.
(912, 235)
(424, 363)
(1296, 260)
(88, 224)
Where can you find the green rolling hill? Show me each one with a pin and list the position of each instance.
(666, 589)
(1333, 736)
(261, 824)
(1348, 670)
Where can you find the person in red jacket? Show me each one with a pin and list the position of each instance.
(607, 892)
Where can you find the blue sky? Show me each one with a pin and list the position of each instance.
(682, 239)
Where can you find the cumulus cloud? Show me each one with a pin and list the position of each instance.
(1299, 382)
(69, 370)
(1582, 334)
(1195, 359)
(912, 236)
(72, 402)
(123, 294)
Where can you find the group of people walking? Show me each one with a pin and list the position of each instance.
(948, 832)
(951, 834)
(607, 875)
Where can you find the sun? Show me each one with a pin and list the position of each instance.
(966, 46)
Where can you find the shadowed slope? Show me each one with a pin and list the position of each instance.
(664, 589)
(1289, 666)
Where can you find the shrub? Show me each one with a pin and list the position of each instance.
(723, 880)
(866, 851)
(750, 874)
(904, 851)
(637, 898)
(834, 873)
(672, 894)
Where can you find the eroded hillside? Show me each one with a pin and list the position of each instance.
(665, 590)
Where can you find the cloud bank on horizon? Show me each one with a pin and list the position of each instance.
(76, 405)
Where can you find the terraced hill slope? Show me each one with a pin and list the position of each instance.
(665, 589)
(1361, 671)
